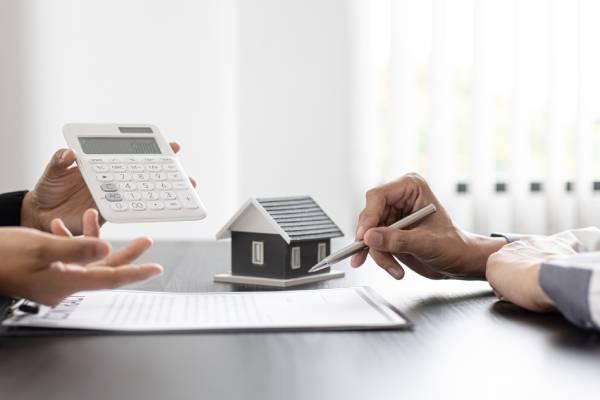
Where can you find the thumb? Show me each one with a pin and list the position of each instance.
(397, 241)
(61, 160)
(67, 250)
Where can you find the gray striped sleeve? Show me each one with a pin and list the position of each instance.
(573, 284)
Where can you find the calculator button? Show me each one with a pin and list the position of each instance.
(118, 168)
(150, 196)
(149, 159)
(168, 195)
(127, 186)
(166, 159)
(158, 176)
(100, 168)
(122, 177)
(136, 167)
(170, 167)
(132, 196)
(118, 206)
(141, 176)
(96, 160)
(113, 197)
(173, 205)
(188, 199)
(104, 177)
(137, 205)
(108, 187)
(163, 185)
(175, 176)
(116, 160)
(156, 205)
(144, 186)
(133, 160)
(180, 185)
(153, 167)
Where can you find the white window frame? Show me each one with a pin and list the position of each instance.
(258, 253)
(296, 258)
(321, 251)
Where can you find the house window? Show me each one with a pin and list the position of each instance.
(258, 253)
(321, 251)
(296, 258)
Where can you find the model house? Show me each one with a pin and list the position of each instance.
(279, 239)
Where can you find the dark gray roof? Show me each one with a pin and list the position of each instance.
(301, 218)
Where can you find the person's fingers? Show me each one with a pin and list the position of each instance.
(387, 262)
(91, 223)
(418, 266)
(103, 277)
(128, 253)
(83, 250)
(61, 160)
(175, 147)
(58, 227)
(396, 241)
(359, 258)
(193, 181)
(373, 213)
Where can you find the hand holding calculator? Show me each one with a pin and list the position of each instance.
(132, 173)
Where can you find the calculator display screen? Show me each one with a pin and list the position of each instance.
(116, 145)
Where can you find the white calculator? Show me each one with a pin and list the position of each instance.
(133, 174)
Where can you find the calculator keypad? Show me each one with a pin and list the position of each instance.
(142, 184)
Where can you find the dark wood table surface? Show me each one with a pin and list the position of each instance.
(465, 344)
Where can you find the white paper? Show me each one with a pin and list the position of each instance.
(125, 310)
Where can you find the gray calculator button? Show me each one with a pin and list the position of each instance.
(168, 195)
(96, 160)
(150, 196)
(127, 186)
(144, 186)
(153, 167)
(116, 160)
(175, 176)
(118, 206)
(109, 187)
(188, 199)
(149, 159)
(122, 177)
(180, 185)
(166, 159)
(163, 185)
(100, 168)
(118, 168)
(136, 167)
(114, 197)
(170, 167)
(132, 196)
(173, 205)
(104, 177)
(158, 176)
(156, 205)
(137, 205)
(133, 159)
(141, 176)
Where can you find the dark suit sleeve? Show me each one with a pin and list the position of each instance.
(10, 208)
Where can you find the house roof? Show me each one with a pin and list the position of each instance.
(296, 218)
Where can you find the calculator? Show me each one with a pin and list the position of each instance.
(132, 173)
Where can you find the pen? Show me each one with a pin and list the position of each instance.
(357, 246)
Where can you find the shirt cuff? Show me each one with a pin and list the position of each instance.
(509, 237)
(10, 208)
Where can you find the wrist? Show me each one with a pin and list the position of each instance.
(29, 212)
(481, 248)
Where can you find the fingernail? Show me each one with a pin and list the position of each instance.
(63, 155)
(397, 274)
(375, 239)
(354, 262)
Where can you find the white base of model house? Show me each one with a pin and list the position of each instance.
(272, 282)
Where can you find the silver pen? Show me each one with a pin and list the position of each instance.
(356, 247)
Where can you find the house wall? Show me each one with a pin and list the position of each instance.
(277, 256)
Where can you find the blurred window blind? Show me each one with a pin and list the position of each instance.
(495, 102)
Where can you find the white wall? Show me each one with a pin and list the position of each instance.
(256, 92)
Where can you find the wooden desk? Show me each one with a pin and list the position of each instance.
(465, 344)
